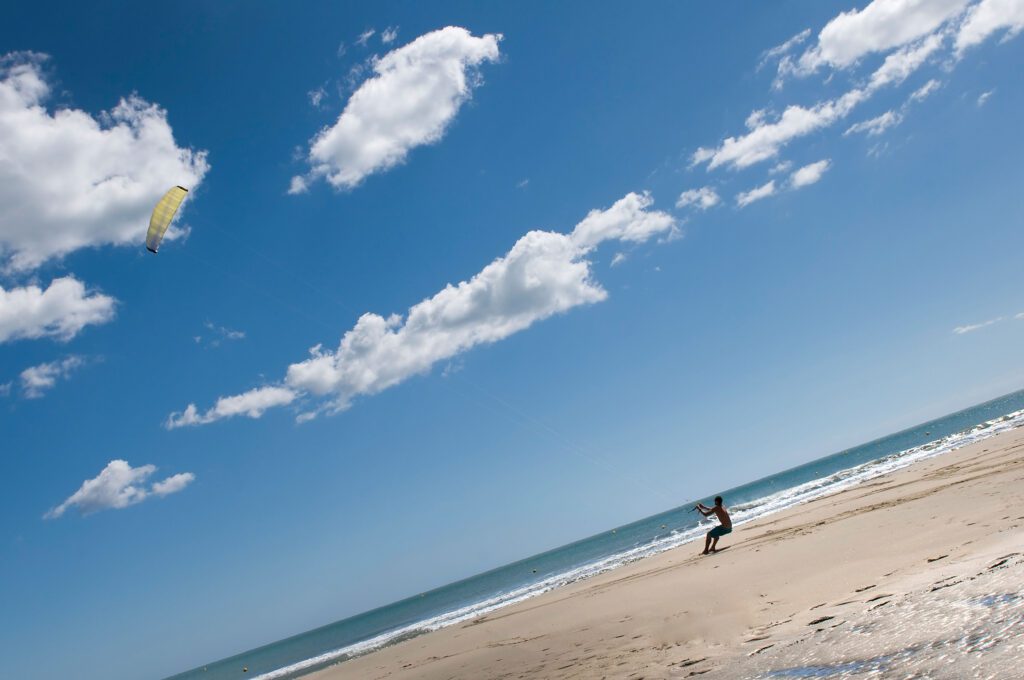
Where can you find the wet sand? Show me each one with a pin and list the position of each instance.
(779, 595)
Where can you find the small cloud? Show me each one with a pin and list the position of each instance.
(5, 389)
(745, 198)
(365, 36)
(784, 48)
(1019, 316)
(36, 380)
(923, 92)
(781, 166)
(523, 183)
(809, 174)
(119, 486)
(619, 259)
(877, 125)
(317, 96)
(342, 50)
(451, 368)
(702, 199)
(298, 185)
(984, 97)
(219, 334)
(389, 34)
(970, 328)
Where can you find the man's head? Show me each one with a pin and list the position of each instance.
(718, 500)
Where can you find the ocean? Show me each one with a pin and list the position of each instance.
(477, 595)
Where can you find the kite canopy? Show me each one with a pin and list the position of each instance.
(163, 213)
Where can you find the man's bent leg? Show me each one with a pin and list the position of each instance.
(707, 543)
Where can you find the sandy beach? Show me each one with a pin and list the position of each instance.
(894, 573)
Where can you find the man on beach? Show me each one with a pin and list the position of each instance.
(721, 530)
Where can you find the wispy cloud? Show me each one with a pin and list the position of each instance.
(389, 34)
(216, 335)
(118, 486)
(984, 97)
(779, 50)
(365, 36)
(970, 328)
(37, 380)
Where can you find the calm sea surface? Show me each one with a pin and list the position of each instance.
(527, 578)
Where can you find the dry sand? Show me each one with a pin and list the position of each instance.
(852, 558)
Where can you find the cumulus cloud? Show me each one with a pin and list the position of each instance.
(745, 198)
(703, 198)
(879, 27)
(544, 274)
(414, 95)
(251, 404)
(809, 174)
(61, 311)
(989, 17)
(36, 380)
(118, 486)
(69, 180)
(765, 139)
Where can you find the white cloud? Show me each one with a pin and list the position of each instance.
(780, 50)
(252, 404)
(118, 486)
(416, 92)
(69, 180)
(781, 166)
(745, 198)
(522, 184)
(544, 274)
(298, 185)
(925, 91)
(988, 17)
(218, 334)
(389, 35)
(880, 26)
(703, 198)
(765, 139)
(5, 388)
(36, 380)
(877, 125)
(960, 330)
(1019, 316)
(898, 66)
(173, 484)
(809, 174)
(61, 311)
(365, 36)
(316, 96)
(618, 259)
(984, 97)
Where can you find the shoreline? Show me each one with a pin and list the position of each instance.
(597, 614)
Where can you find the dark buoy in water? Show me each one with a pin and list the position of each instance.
(245, 669)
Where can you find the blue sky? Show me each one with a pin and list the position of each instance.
(835, 272)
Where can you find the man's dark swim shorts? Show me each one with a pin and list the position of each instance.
(719, 531)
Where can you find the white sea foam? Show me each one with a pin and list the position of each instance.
(742, 514)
